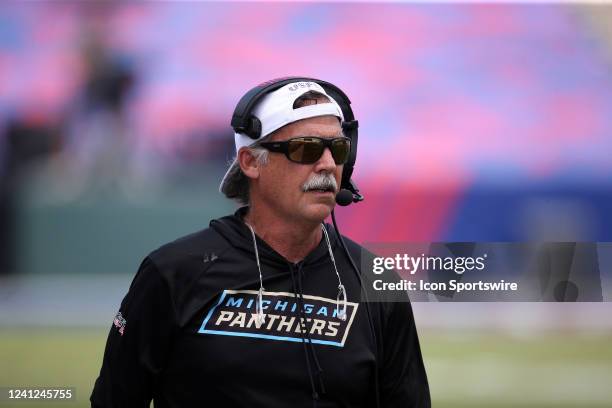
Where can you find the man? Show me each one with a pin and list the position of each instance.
(263, 308)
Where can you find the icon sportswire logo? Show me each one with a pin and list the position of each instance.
(234, 315)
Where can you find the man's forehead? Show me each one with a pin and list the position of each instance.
(322, 126)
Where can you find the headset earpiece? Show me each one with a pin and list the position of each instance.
(349, 128)
(254, 129)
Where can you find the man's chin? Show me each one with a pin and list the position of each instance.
(319, 211)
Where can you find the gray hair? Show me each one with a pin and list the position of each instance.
(236, 185)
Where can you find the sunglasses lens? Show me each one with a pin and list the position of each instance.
(308, 150)
(305, 150)
(340, 150)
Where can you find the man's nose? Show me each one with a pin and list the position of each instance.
(326, 161)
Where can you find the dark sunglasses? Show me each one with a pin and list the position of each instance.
(309, 149)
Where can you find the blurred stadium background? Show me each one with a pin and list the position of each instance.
(479, 122)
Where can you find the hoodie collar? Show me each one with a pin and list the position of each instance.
(236, 232)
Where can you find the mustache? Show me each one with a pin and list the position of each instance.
(321, 181)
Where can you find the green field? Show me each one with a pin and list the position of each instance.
(465, 369)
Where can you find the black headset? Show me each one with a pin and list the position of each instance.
(245, 122)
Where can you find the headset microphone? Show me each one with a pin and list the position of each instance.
(348, 194)
(344, 197)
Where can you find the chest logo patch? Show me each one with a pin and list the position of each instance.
(234, 315)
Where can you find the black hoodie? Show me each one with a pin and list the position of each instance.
(186, 333)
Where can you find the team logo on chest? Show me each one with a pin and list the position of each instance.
(234, 315)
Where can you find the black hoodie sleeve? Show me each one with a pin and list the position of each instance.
(134, 359)
(403, 380)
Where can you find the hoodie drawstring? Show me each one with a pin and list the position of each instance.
(341, 305)
(259, 313)
(341, 313)
(311, 344)
(302, 323)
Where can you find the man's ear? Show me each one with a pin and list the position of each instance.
(248, 163)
